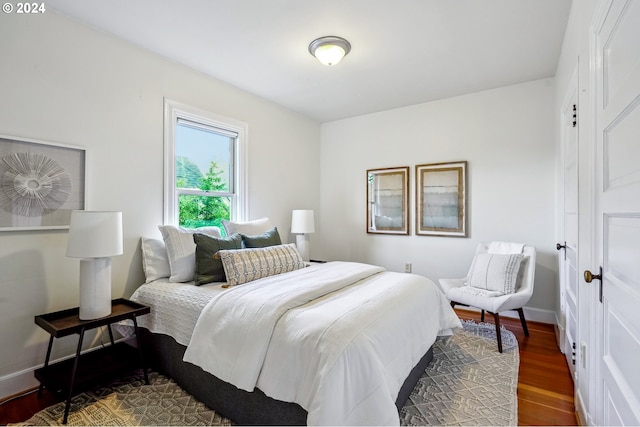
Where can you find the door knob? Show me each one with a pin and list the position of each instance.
(589, 276)
(559, 246)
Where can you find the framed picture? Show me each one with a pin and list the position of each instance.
(441, 199)
(40, 184)
(388, 200)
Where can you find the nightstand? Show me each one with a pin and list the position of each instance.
(87, 369)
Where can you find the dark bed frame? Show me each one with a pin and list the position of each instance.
(163, 353)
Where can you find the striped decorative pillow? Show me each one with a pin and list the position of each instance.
(181, 250)
(496, 272)
(245, 265)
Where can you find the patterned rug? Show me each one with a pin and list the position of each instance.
(467, 383)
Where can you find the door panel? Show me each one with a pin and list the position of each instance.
(617, 208)
(571, 309)
(621, 148)
(568, 258)
(622, 250)
(620, 33)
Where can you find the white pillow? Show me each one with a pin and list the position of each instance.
(155, 262)
(248, 228)
(496, 272)
(245, 265)
(181, 250)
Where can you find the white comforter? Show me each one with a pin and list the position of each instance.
(339, 339)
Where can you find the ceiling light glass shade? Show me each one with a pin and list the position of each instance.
(330, 49)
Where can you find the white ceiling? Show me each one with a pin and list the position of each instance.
(404, 52)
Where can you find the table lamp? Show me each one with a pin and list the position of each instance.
(302, 224)
(95, 236)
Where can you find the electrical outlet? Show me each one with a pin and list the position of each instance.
(407, 267)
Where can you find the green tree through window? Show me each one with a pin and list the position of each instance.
(200, 211)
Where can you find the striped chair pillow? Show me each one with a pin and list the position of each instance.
(496, 272)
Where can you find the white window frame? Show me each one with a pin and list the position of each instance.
(174, 111)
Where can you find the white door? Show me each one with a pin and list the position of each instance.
(568, 248)
(616, 67)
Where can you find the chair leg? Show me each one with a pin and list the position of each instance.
(496, 317)
(523, 321)
(482, 315)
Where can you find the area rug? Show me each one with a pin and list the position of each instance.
(467, 383)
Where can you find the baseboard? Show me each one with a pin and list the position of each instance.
(581, 414)
(17, 382)
(560, 334)
(538, 315)
(530, 313)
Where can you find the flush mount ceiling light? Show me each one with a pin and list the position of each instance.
(329, 49)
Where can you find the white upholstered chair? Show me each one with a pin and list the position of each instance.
(459, 291)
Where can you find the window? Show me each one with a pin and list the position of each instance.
(204, 167)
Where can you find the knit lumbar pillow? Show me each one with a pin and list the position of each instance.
(496, 272)
(245, 265)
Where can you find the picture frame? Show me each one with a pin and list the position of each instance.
(388, 201)
(441, 199)
(40, 183)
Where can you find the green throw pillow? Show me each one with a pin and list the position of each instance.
(209, 269)
(270, 238)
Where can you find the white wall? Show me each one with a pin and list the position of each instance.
(63, 82)
(507, 137)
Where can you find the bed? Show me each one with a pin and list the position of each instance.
(296, 369)
(283, 342)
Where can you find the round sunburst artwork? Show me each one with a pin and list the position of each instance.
(32, 184)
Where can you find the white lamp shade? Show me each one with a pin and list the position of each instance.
(94, 234)
(302, 222)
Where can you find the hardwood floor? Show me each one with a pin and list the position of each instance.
(545, 388)
(21, 408)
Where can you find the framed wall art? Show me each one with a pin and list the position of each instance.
(441, 199)
(388, 201)
(40, 184)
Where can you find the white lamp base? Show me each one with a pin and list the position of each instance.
(95, 288)
(302, 243)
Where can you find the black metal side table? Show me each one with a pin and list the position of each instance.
(89, 368)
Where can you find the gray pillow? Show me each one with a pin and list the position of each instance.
(270, 238)
(209, 269)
